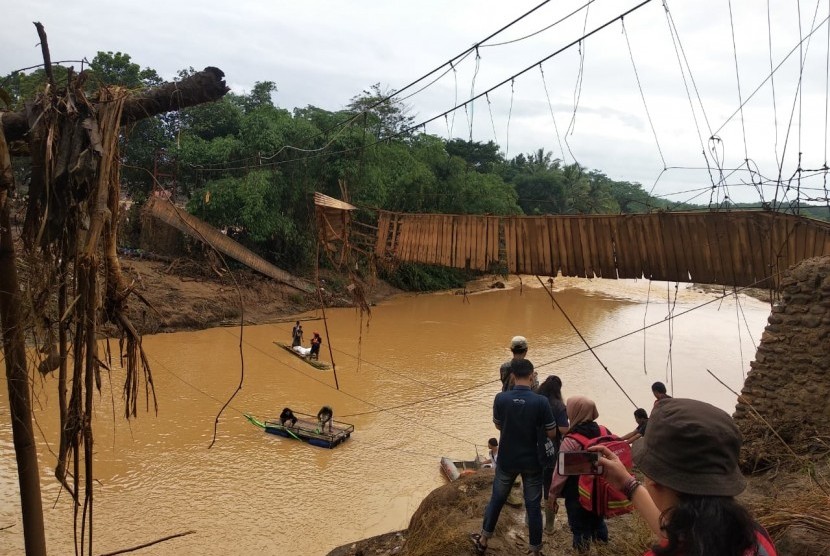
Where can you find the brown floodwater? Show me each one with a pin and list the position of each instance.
(433, 358)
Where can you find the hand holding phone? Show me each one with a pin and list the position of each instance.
(579, 463)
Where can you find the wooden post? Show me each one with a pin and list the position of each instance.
(14, 349)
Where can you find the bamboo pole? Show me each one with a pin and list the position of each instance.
(14, 349)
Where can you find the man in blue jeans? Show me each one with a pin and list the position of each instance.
(518, 414)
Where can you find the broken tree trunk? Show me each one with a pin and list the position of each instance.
(201, 87)
(69, 238)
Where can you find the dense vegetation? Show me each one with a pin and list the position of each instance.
(248, 166)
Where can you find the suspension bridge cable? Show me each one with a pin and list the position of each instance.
(519, 73)
(676, 33)
(768, 77)
(509, 116)
(826, 108)
(796, 101)
(746, 324)
(738, 76)
(581, 337)
(642, 95)
(492, 121)
(543, 29)
(577, 89)
(471, 113)
(669, 358)
(550, 108)
(645, 314)
(675, 42)
(631, 333)
(740, 340)
(425, 400)
(772, 80)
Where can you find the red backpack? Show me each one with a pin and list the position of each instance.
(595, 494)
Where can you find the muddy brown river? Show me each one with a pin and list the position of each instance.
(433, 358)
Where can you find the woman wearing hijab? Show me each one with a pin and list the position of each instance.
(586, 527)
(689, 457)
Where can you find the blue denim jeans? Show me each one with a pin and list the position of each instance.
(532, 485)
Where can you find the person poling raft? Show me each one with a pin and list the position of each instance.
(320, 430)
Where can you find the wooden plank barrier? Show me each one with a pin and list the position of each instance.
(737, 248)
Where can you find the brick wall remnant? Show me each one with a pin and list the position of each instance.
(789, 382)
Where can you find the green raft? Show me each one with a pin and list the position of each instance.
(306, 430)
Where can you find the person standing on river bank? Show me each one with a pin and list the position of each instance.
(518, 414)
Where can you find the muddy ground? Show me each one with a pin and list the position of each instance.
(789, 503)
(183, 294)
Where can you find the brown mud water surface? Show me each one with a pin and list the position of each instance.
(789, 498)
(189, 295)
(387, 475)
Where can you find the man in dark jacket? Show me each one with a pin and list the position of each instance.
(518, 414)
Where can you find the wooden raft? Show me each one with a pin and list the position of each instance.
(306, 430)
(313, 362)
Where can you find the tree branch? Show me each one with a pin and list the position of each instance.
(151, 543)
(44, 48)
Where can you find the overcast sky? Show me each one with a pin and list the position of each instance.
(323, 53)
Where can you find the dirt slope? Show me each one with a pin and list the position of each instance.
(187, 295)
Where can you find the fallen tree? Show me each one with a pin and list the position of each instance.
(73, 281)
(201, 87)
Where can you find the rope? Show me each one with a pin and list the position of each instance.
(581, 337)
(740, 342)
(669, 359)
(552, 117)
(642, 95)
(645, 336)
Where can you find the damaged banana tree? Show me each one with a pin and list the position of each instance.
(60, 276)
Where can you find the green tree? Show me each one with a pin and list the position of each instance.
(384, 118)
(259, 209)
(482, 157)
(108, 68)
(260, 95)
(21, 86)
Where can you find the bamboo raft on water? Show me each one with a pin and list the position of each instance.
(306, 430)
(319, 365)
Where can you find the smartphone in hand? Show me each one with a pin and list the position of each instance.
(579, 463)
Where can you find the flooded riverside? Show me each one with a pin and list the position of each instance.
(433, 358)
